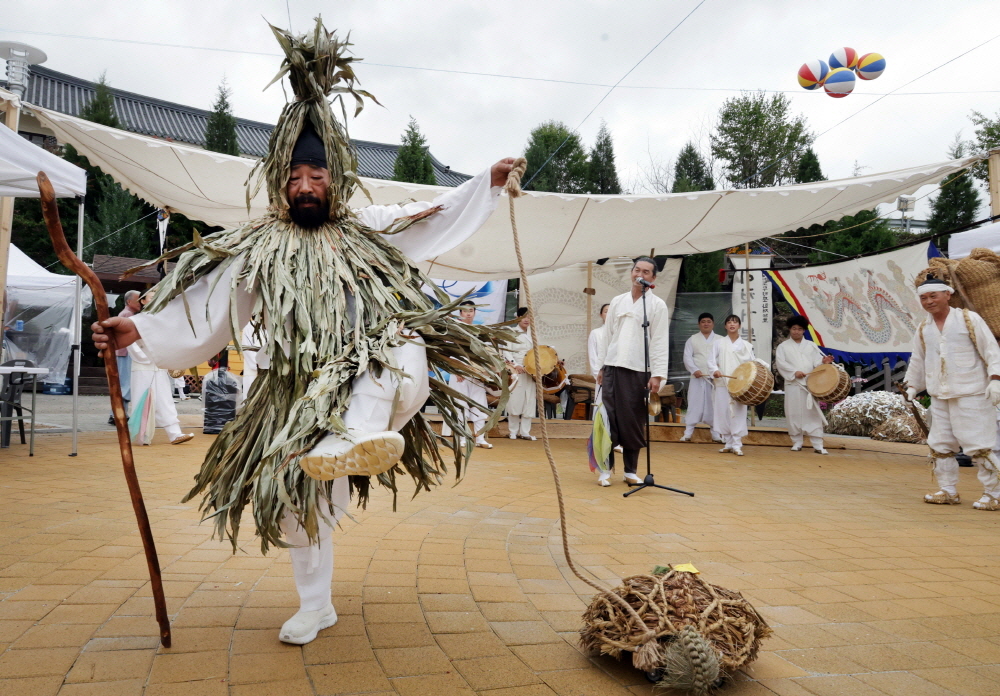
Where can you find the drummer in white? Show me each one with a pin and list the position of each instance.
(521, 404)
(795, 359)
(730, 416)
(701, 392)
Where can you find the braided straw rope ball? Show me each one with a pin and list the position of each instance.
(976, 280)
(692, 631)
(860, 414)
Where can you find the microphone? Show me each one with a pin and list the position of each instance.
(645, 283)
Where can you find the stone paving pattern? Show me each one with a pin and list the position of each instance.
(464, 590)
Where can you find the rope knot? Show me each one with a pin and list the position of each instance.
(513, 185)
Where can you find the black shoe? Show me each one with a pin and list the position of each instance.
(111, 420)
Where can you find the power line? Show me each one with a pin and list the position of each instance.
(608, 93)
(504, 76)
(111, 234)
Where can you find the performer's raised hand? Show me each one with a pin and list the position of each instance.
(500, 170)
(122, 328)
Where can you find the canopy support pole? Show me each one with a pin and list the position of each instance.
(993, 167)
(746, 292)
(77, 353)
(12, 118)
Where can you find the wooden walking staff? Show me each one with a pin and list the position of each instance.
(70, 261)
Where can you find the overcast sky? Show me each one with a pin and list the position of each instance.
(471, 120)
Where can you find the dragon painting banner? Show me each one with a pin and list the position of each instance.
(860, 310)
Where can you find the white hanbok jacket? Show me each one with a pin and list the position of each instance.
(801, 408)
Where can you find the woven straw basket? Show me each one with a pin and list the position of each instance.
(976, 280)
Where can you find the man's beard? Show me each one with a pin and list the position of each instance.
(312, 217)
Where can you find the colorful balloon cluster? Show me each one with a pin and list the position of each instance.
(838, 76)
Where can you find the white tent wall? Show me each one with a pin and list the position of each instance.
(561, 305)
(20, 162)
(39, 316)
(557, 230)
(961, 245)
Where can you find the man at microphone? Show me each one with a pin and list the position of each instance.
(625, 382)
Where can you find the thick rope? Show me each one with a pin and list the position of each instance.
(513, 189)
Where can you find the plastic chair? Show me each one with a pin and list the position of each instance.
(10, 400)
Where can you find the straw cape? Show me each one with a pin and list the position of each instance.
(332, 302)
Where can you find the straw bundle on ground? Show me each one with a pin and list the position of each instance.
(862, 413)
(902, 428)
(976, 280)
(695, 634)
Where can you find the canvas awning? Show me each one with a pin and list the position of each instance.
(20, 162)
(961, 245)
(556, 230)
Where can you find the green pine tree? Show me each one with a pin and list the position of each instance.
(862, 233)
(220, 130)
(566, 171)
(101, 107)
(699, 272)
(987, 138)
(602, 173)
(958, 202)
(692, 173)
(413, 161)
(809, 169)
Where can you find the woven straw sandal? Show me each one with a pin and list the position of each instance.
(943, 498)
(987, 502)
(368, 455)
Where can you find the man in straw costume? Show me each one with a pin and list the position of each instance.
(956, 359)
(701, 391)
(625, 383)
(346, 333)
(794, 360)
(730, 416)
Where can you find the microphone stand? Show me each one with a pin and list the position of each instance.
(648, 481)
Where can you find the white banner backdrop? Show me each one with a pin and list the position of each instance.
(562, 309)
(861, 310)
(491, 295)
(757, 328)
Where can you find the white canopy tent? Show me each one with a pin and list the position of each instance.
(557, 230)
(20, 162)
(961, 245)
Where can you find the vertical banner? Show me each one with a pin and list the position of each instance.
(490, 295)
(757, 327)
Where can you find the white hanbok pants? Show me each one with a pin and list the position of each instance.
(730, 419)
(804, 416)
(969, 422)
(521, 405)
(477, 393)
(701, 406)
(370, 410)
(160, 386)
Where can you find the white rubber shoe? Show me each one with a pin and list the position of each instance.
(821, 450)
(632, 478)
(796, 448)
(368, 455)
(303, 627)
(604, 479)
(685, 439)
(183, 437)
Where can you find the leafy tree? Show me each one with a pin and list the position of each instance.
(220, 131)
(101, 108)
(987, 138)
(692, 173)
(852, 235)
(413, 161)
(699, 272)
(758, 140)
(116, 209)
(809, 169)
(566, 172)
(602, 173)
(958, 203)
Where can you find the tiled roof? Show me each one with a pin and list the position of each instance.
(162, 119)
(114, 266)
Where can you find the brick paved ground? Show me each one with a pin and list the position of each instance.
(464, 590)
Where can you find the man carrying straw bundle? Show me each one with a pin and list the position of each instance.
(956, 359)
(346, 332)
